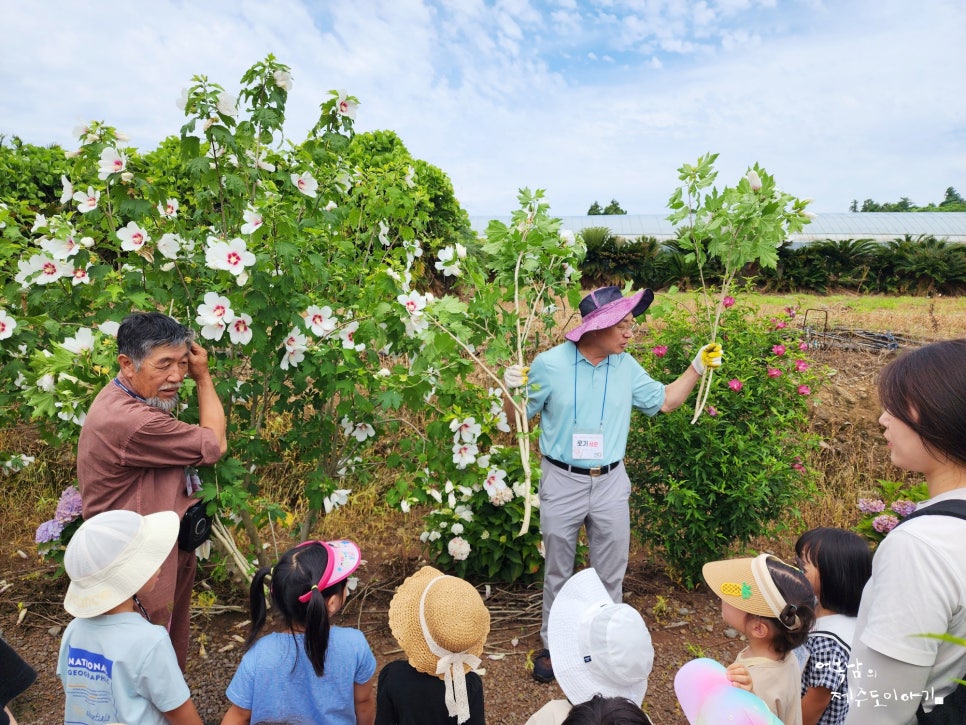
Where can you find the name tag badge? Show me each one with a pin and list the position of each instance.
(588, 447)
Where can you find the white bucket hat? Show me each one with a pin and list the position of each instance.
(112, 555)
(597, 646)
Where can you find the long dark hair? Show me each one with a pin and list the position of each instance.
(296, 573)
(790, 629)
(844, 563)
(926, 390)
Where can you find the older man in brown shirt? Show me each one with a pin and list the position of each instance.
(134, 454)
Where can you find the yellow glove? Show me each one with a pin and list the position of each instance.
(515, 376)
(708, 356)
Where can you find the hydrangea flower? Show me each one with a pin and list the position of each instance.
(48, 531)
(736, 385)
(458, 548)
(884, 523)
(871, 505)
(69, 505)
(903, 507)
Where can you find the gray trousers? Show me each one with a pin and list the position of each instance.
(600, 504)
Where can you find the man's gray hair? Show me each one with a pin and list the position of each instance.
(142, 332)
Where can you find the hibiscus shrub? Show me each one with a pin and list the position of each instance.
(739, 471)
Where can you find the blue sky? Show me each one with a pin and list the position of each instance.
(839, 100)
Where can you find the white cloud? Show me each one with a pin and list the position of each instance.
(839, 101)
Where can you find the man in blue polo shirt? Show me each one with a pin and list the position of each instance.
(584, 390)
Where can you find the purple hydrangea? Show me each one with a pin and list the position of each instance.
(884, 523)
(48, 531)
(69, 506)
(903, 507)
(871, 506)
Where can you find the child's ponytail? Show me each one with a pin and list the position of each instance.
(303, 581)
(256, 601)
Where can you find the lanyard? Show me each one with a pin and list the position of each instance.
(127, 390)
(603, 402)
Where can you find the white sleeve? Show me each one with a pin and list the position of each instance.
(877, 684)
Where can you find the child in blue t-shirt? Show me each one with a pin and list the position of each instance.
(312, 672)
(116, 666)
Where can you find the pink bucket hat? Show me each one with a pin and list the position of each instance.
(606, 306)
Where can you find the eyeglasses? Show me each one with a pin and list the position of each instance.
(631, 327)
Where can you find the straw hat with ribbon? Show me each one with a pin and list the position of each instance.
(441, 623)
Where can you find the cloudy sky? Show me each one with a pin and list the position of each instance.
(839, 99)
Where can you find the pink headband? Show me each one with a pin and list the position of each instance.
(343, 559)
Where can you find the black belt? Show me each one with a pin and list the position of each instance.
(596, 471)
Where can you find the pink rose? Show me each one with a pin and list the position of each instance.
(774, 373)
(736, 385)
(659, 351)
(778, 350)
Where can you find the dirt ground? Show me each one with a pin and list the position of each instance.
(683, 624)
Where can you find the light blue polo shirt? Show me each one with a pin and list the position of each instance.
(560, 372)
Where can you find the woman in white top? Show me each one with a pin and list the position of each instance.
(918, 583)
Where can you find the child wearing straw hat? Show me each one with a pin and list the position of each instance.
(599, 648)
(318, 673)
(772, 604)
(115, 665)
(441, 623)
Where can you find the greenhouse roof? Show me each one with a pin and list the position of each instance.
(879, 226)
